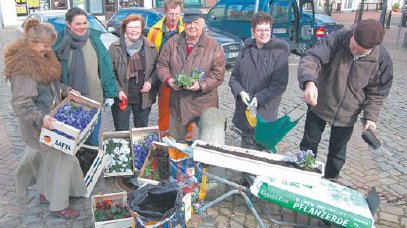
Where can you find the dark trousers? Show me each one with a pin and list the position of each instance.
(121, 118)
(339, 138)
(248, 142)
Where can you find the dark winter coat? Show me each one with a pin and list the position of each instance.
(119, 58)
(346, 86)
(173, 60)
(35, 87)
(263, 73)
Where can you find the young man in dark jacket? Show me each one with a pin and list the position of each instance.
(347, 73)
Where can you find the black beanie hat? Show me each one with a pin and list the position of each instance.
(368, 33)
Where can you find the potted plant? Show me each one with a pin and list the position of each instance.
(396, 7)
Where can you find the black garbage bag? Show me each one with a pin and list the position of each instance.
(156, 202)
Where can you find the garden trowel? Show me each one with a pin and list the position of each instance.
(251, 113)
(371, 138)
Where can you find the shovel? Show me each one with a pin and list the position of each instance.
(370, 137)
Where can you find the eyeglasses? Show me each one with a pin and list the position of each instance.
(133, 27)
(173, 15)
(262, 30)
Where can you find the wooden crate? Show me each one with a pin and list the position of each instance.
(138, 134)
(142, 180)
(123, 135)
(62, 143)
(118, 223)
(92, 175)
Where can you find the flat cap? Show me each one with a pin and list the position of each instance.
(191, 15)
(368, 33)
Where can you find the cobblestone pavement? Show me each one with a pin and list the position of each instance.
(364, 168)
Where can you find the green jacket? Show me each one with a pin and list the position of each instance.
(106, 75)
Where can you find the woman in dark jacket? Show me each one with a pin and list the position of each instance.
(134, 59)
(259, 77)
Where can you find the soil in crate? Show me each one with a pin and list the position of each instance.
(86, 158)
(289, 164)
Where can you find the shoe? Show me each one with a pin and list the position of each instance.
(332, 179)
(43, 200)
(67, 213)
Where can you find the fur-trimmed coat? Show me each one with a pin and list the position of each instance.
(35, 87)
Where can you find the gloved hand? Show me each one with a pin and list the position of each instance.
(245, 97)
(254, 103)
(108, 102)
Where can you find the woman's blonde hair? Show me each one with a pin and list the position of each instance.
(35, 31)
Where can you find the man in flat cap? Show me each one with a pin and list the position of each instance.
(347, 73)
(184, 53)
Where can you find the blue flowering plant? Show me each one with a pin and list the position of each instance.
(141, 149)
(185, 80)
(306, 159)
(74, 116)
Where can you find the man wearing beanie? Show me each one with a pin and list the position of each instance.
(347, 73)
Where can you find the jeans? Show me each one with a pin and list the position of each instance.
(339, 138)
(93, 139)
(121, 118)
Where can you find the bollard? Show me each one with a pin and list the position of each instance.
(388, 20)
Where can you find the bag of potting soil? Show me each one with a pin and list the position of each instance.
(316, 197)
(156, 205)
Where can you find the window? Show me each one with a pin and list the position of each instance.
(122, 15)
(279, 13)
(240, 12)
(110, 6)
(152, 19)
(216, 14)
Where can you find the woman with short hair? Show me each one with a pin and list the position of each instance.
(134, 59)
(259, 77)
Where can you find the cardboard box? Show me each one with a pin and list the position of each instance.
(62, 143)
(121, 135)
(120, 197)
(93, 173)
(141, 179)
(138, 135)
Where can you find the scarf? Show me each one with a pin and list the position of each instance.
(74, 43)
(136, 53)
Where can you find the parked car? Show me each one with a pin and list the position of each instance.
(324, 24)
(150, 16)
(234, 16)
(230, 44)
(57, 19)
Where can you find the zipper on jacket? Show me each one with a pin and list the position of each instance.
(344, 95)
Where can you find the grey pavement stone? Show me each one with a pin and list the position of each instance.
(388, 217)
(225, 211)
(29, 219)
(236, 221)
(208, 219)
(222, 221)
(391, 209)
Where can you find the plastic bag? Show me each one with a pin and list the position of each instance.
(155, 202)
